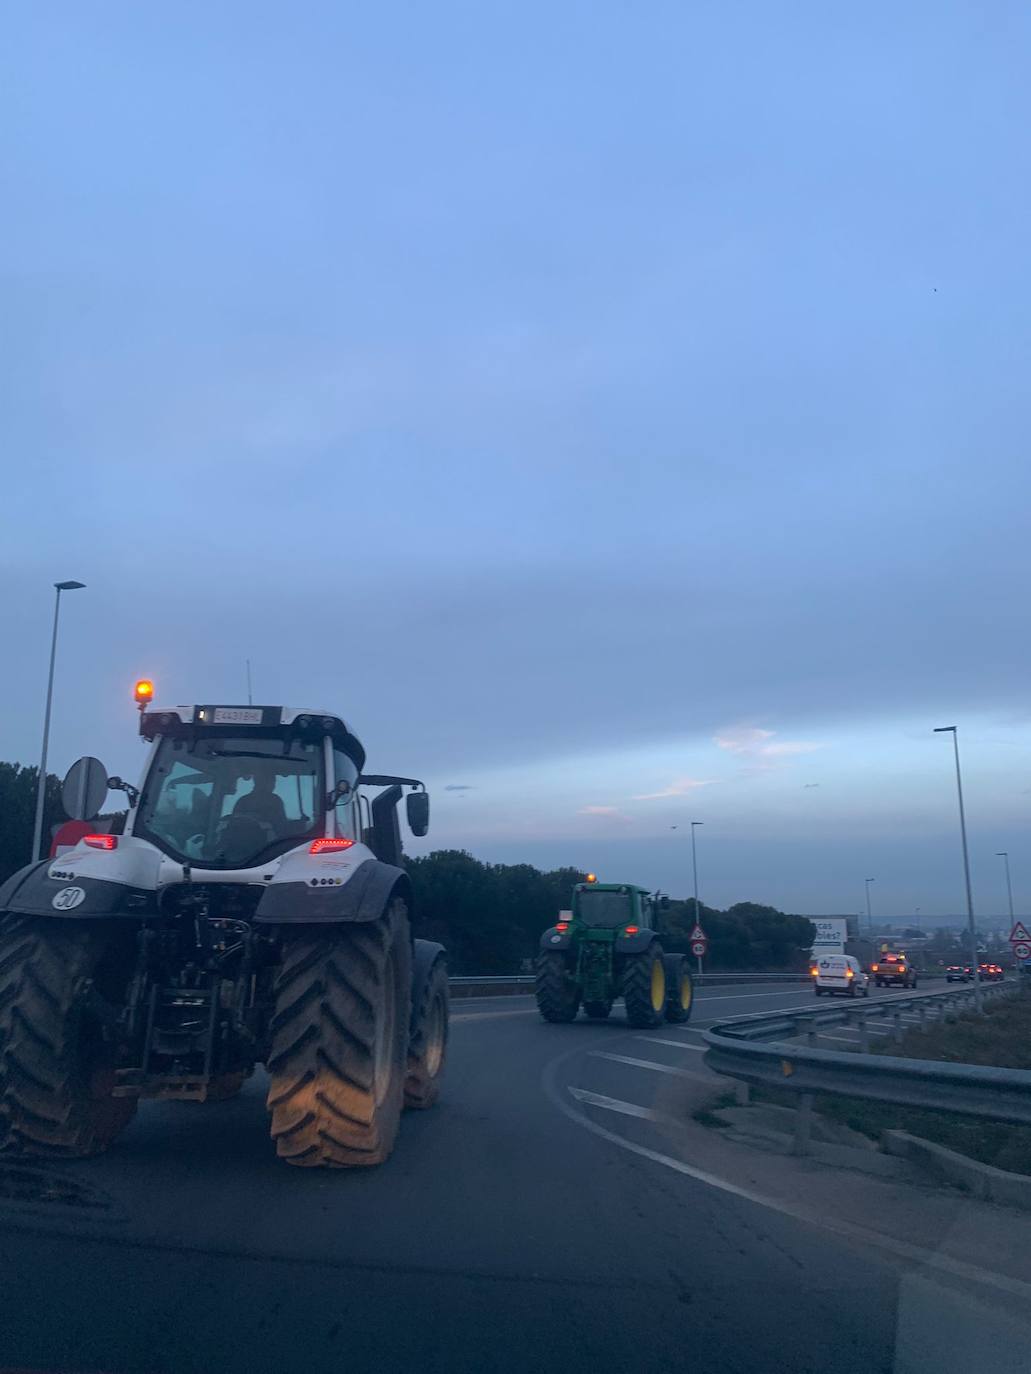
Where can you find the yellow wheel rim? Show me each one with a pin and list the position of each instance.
(686, 992)
(658, 985)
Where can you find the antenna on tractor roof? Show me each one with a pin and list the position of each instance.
(250, 698)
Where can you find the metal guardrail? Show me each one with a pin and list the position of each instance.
(514, 982)
(766, 1051)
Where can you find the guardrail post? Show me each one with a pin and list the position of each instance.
(897, 1029)
(864, 1034)
(923, 1018)
(804, 1124)
(810, 1036)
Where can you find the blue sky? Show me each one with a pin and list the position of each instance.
(567, 394)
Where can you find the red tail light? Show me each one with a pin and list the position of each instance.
(631, 930)
(101, 841)
(562, 925)
(874, 968)
(329, 845)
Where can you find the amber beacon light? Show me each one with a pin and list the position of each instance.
(144, 692)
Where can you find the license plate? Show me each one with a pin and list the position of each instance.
(237, 715)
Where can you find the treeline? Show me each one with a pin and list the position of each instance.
(490, 917)
(18, 811)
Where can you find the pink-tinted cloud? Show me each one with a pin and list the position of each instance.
(679, 787)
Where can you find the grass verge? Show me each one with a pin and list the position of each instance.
(1002, 1037)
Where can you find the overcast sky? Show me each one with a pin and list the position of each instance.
(616, 412)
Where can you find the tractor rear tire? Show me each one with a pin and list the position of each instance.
(679, 991)
(428, 1048)
(597, 1011)
(56, 1069)
(558, 996)
(339, 1042)
(644, 987)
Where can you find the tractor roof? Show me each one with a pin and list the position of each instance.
(264, 720)
(612, 887)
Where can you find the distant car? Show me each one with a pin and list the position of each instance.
(894, 969)
(958, 973)
(839, 973)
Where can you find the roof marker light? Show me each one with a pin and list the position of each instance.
(101, 841)
(330, 845)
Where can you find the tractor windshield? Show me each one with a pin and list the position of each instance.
(230, 801)
(606, 910)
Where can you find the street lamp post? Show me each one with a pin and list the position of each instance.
(41, 782)
(694, 865)
(1003, 854)
(869, 917)
(971, 929)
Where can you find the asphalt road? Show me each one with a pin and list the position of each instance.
(549, 1214)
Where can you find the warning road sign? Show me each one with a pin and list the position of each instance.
(1021, 949)
(699, 934)
(1020, 932)
(698, 948)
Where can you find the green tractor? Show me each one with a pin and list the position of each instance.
(609, 947)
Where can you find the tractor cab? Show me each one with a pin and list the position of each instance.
(603, 910)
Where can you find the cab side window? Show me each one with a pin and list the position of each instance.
(345, 771)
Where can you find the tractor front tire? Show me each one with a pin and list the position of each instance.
(644, 987)
(339, 1043)
(558, 996)
(679, 991)
(56, 1068)
(597, 1011)
(428, 1048)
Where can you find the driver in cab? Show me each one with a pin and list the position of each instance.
(263, 804)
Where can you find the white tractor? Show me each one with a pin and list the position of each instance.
(254, 911)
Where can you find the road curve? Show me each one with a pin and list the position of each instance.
(554, 1211)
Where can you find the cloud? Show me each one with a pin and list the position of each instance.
(760, 746)
(459, 787)
(610, 811)
(679, 787)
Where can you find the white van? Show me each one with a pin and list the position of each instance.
(839, 973)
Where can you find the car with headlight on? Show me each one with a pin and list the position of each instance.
(958, 973)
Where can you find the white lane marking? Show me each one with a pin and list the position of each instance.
(613, 1104)
(892, 1247)
(703, 996)
(636, 1063)
(679, 1044)
(491, 1015)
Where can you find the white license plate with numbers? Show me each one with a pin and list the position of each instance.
(237, 715)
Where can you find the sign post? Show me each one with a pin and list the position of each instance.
(699, 945)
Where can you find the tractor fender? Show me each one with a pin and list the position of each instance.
(425, 954)
(363, 896)
(65, 888)
(555, 939)
(634, 944)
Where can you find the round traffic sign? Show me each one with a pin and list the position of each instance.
(698, 947)
(1021, 950)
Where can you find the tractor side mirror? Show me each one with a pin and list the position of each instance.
(417, 806)
(664, 903)
(84, 789)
